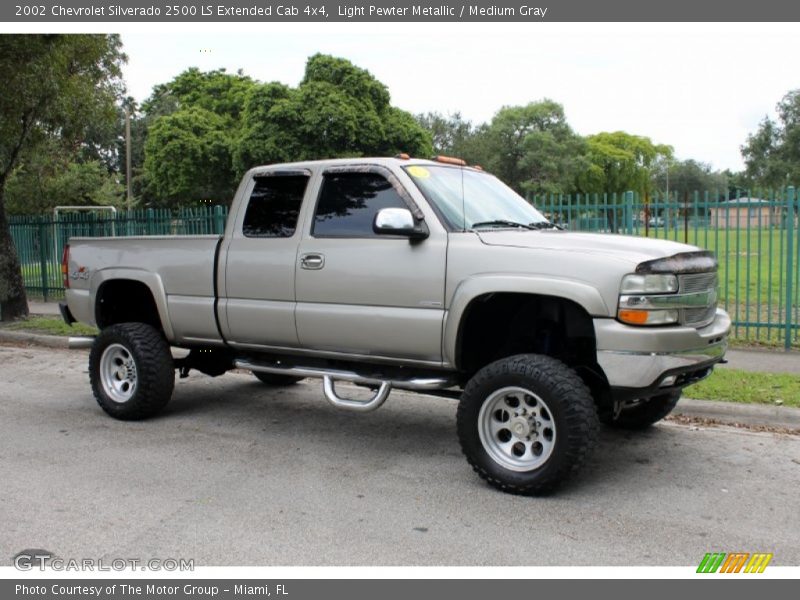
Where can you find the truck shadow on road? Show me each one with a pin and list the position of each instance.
(409, 427)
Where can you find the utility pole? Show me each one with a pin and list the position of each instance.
(128, 156)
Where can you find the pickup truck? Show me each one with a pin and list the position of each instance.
(422, 275)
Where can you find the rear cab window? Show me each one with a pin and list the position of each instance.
(274, 205)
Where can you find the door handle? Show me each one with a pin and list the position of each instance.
(312, 262)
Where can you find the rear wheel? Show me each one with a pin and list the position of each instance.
(526, 423)
(275, 380)
(131, 371)
(644, 413)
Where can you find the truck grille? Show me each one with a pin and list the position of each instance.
(698, 282)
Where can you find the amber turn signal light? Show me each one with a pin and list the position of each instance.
(634, 317)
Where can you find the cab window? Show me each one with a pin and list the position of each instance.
(348, 203)
(274, 206)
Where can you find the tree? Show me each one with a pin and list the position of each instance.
(259, 141)
(531, 148)
(187, 157)
(338, 110)
(216, 92)
(451, 134)
(772, 153)
(49, 177)
(737, 184)
(620, 162)
(202, 131)
(686, 177)
(63, 87)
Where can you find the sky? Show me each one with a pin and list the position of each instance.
(700, 88)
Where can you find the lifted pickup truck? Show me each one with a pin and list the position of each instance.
(419, 275)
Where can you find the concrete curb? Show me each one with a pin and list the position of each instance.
(33, 339)
(745, 414)
(722, 412)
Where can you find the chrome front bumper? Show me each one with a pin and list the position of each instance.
(643, 358)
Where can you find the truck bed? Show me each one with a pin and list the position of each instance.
(182, 268)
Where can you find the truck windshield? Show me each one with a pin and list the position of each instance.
(473, 200)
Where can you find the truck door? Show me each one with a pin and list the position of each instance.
(257, 306)
(362, 293)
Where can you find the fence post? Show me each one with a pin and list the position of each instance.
(790, 201)
(219, 220)
(150, 219)
(629, 213)
(43, 246)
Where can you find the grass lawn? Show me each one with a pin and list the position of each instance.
(51, 326)
(734, 385)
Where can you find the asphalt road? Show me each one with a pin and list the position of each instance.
(234, 473)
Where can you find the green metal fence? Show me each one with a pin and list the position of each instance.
(754, 236)
(40, 239)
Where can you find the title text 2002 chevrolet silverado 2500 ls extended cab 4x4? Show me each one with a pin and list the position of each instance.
(411, 274)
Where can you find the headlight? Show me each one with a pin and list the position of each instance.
(644, 301)
(649, 284)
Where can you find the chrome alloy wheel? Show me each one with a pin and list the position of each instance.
(118, 373)
(517, 429)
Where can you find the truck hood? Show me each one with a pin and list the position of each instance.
(627, 248)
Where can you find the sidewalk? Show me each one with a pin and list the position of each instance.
(765, 361)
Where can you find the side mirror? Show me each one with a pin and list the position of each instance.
(399, 221)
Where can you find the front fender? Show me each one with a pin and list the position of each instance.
(586, 296)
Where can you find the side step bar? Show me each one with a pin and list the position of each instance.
(329, 376)
(76, 343)
(329, 390)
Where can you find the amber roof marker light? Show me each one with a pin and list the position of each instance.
(450, 160)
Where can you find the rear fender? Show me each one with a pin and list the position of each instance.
(151, 280)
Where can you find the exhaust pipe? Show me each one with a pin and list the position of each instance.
(80, 343)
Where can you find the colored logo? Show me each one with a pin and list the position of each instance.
(734, 562)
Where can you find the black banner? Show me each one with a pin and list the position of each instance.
(336, 589)
(58, 11)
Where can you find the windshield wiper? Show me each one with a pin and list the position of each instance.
(503, 223)
(544, 225)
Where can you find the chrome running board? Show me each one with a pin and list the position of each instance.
(330, 376)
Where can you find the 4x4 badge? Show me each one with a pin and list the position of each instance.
(80, 273)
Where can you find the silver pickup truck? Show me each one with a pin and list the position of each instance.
(419, 275)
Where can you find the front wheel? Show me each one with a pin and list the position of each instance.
(131, 371)
(526, 423)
